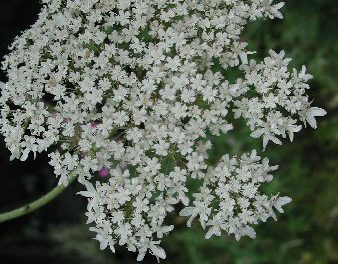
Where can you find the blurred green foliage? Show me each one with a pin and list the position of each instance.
(307, 232)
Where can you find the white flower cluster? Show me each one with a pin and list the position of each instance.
(128, 89)
(278, 91)
(229, 198)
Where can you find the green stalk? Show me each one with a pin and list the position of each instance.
(37, 203)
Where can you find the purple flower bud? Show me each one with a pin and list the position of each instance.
(104, 173)
(95, 124)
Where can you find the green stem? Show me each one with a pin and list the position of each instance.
(37, 203)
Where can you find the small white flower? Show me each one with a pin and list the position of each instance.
(313, 112)
(280, 202)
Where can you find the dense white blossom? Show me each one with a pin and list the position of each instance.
(128, 89)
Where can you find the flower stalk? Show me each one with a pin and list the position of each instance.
(16, 213)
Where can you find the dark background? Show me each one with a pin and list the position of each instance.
(306, 233)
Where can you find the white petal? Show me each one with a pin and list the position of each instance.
(257, 133)
(141, 255)
(265, 141)
(158, 252)
(275, 140)
(312, 113)
(25, 154)
(187, 211)
(213, 231)
(312, 121)
(316, 111)
(280, 202)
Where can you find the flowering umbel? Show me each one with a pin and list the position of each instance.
(122, 94)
